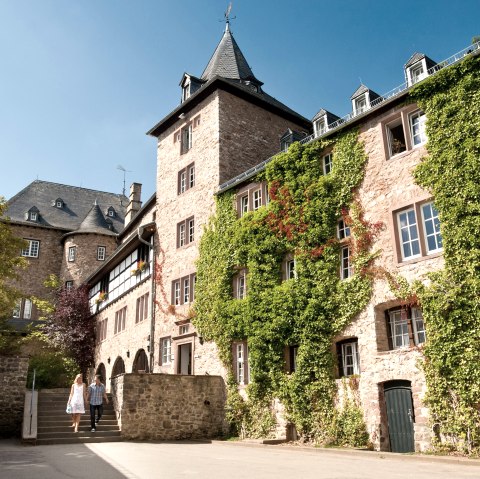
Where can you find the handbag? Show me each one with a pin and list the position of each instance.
(69, 409)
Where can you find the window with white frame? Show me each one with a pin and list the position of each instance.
(33, 216)
(68, 285)
(240, 362)
(257, 199)
(345, 263)
(191, 175)
(191, 230)
(182, 182)
(183, 290)
(396, 137)
(183, 329)
(141, 312)
(414, 241)
(320, 126)
(17, 309)
(343, 230)
(72, 253)
(348, 357)
(360, 104)
(185, 232)
(120, 320)
(291, 271)
(405, 327)
(101, 251)
(165, 351)
(240, 285)
(327, 164)
(243, 204)
(32, 250)
(111, 212)
(417, 73)
(417, 128)
(27, 309)
(186, 178)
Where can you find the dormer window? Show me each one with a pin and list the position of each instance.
(189, 85)
(59, 203)
(111, 212)
(186, 92)
(32, 214)
(360, 104)
(320, 126)
(417, 68)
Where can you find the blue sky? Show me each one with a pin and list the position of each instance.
(83, 80)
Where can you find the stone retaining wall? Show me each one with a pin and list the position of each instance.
(13, 379)
(169, 407)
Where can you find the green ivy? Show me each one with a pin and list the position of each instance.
(451, 302)
(308, 311)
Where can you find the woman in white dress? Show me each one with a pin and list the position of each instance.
(77, 400)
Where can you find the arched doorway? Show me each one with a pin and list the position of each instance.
(118, 367)
(102, 372)
(141, 362)
(400, 415)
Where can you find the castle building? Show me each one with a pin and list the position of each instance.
(141, 262)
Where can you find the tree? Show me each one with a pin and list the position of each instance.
(70, 326)
(10, 262)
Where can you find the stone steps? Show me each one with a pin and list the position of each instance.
(54, 424)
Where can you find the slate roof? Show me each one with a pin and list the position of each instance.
(228, 62)
(78, 209)
(361, 89)
(95, 222)
(416, 57)
(331, 117)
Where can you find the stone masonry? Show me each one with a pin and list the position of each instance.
(169, 407)
(13, 378)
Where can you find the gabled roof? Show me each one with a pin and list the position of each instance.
(228, 62)
(359, 91)
(77, 205)
(331, 117)
(416, 57)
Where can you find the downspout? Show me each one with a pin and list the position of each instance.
(151, 343)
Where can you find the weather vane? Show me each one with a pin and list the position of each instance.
(121, 168)
(227, 16)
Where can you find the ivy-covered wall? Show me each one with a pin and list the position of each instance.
(301, 219)
(451, 302)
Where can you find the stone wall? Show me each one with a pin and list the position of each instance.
(169, 407)
(13, 379)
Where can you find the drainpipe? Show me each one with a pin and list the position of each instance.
(151, 338)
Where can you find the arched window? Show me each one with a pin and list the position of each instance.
(102, 372)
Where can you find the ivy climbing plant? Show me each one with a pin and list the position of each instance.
(308, 311)
(451, 301)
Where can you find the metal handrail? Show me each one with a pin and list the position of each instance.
(31, 401)
(350, 116)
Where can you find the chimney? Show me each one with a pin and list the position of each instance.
(135, 203)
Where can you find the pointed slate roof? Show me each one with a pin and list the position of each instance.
(95, 222)
(228, 62)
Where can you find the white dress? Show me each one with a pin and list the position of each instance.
(78, 406)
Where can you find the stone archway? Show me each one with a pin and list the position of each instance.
(118, 367)
(141, 362)
(101, 370)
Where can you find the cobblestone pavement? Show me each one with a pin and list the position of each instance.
(218, 460)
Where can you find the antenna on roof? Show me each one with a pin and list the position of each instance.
(121, 168)
(227, 17)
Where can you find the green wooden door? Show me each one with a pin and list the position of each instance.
(400, 416)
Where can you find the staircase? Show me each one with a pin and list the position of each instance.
(54, 423)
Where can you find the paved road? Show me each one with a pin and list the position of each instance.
(217, 460)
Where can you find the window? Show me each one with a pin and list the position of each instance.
(345, 265)
(68, 285)
(186, 290)
(240, 360)
(240, 285)
(413, 241)
(111, 212)
(416, 73)
(360, 104)
(348, 357)
(186, 178)
(32, 250)
(417, 128)
(291, 359)
(396, 137)
(102, 330)
(165, 351)
(101, 250)
(59, 204)
(183, 290)
(185, 232)
(71, 253)
(186, 135)
(257, 199)
(27, 309)
(120, 320)
(183, 329)
(405, 328)
(196, 121)
(243, 205)
(291, 273)
(320, 127)
(327, 164)
(343, 231)
(17, 309)
(431, 225)
(33, 216)
(142, 308)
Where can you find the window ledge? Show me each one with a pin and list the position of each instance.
(419, 258)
